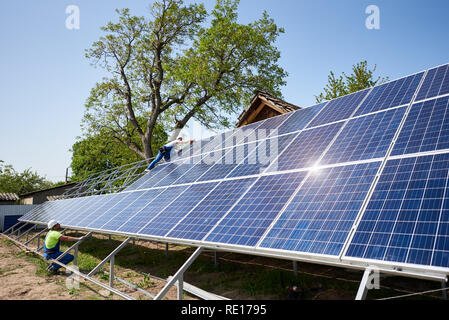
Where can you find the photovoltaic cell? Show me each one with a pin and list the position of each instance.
(229, 162)
(339, 109)
(122, 217)
(321, 214)
(205, 162)
(425, 129)
(172, 214)
(367, 137)
(262, 155)
(435, 84)
(126, 200)
(299, 119)
(245, 223)
(306, 148)
(178, 172)
(407, 217)
(391, 94)
(76, 213)
(108, 201)
(141, 218)
(204, 217)
(157, 174)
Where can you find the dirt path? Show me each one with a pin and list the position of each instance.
(22, 277)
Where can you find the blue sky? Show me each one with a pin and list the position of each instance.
(46, 78)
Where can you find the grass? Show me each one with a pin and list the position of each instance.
(250, 281)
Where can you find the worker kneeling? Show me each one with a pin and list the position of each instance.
(52, 246)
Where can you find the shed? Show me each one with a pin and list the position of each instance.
(263, 106)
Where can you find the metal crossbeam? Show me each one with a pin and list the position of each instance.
(178, 276)
(109, 257)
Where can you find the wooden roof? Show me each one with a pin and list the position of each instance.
(261, 101)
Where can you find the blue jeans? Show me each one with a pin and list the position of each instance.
(65, 260)
(159, 157)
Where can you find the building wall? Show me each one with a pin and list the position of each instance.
(13, 210)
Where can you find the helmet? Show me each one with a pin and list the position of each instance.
(52, 223)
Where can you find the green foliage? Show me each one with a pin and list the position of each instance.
(173, 66)
(12, 181)
(361, 78)
(98, 152)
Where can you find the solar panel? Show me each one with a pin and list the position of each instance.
(306, 148)
(123, 216)
(126, 200)
(107, 202)
(232, 157)
(391, 94)
(246, 222)
(435, 84)
(167, 218)
(299, 119)
(366, 137)
(141, 218)
(263, 154)
(318, 195)
(406, 218)
(321, 214)
(425, 129)
(204, 217)
(339, 109)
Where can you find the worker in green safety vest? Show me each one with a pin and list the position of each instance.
(52, 246)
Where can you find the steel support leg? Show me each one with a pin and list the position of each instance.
(444, 292)
(216, 259)
(36, 236)
(295, 268)
(178, 275)
(363, 289)
(108, 258)
(180, 286)
(111, 271)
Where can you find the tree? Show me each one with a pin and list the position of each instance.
(96, 153)
(12, 181)
(169, 68)
(360, 78)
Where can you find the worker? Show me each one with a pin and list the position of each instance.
(51, 246)
(164, 152)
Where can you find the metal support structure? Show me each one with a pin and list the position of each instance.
(444, 292)
(363, 288)
(26, 233)
(72, 247)
(111, 271)
(12, 228)
(178, 276)
(108, 258)
(36, 236)
(75, 271)
(216, 259)
(18, 230)
(295, 268)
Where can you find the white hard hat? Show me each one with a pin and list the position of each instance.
(52, 223)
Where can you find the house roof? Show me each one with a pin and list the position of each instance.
(44, 190)
(9, 197)
(276, 103)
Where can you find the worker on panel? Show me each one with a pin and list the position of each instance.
(51, 246)
(164, 152)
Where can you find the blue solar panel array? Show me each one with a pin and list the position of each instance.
(407, 217)
(426, 128)
(301, 182)
(322, 213)
(435, 84)
(391, 94)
